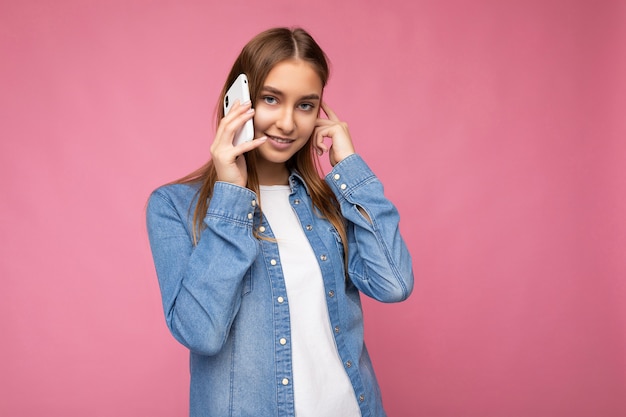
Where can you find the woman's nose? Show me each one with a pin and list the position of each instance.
(285, 121)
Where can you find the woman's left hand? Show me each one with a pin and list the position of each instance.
(338, 132)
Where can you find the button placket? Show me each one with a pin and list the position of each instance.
(251, 215)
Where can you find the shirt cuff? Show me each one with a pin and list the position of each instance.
(232, 202)
(348, 175)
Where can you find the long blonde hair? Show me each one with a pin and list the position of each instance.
(256, 60)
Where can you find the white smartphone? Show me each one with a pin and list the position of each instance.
(239, 90)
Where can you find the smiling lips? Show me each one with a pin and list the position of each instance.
(280, 143)
(280, 140)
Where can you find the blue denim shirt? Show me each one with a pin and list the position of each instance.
(225, 299)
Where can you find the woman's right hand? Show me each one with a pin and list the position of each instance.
(226, 157)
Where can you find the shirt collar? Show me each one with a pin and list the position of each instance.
(295, 181)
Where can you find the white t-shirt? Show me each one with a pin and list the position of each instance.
(321, 385)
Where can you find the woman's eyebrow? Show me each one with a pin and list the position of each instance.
(310, 97)
(277, 92)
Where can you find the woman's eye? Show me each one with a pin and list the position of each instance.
(306, 106)
(269, 99)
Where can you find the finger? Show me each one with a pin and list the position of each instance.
(239, 106)
(325, 123)
(231, 154)
(248, 146)
(237, 116)
(230, 124)
(329, 112)
(320, 146)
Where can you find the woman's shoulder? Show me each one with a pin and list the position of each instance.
(177, 195)
(178, 188)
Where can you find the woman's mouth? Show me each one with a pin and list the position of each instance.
(280, 144)
(280, 140)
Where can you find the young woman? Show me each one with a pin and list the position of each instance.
(260, 261)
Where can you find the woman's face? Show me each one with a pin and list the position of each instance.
(286, 110)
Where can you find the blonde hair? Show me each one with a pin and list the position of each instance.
(256, 60)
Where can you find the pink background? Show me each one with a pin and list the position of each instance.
(498, 128)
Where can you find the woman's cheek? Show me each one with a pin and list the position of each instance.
(262, 121)
(307, 125)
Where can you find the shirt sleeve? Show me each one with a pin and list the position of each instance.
(202, 285)
(379, 263)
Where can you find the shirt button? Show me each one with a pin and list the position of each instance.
(336, 329)
(361, 398)
(285, 381)
(348, 364)
(262, 229)
(253, 203)
(273, 262)
(336, 177)
(343, 186)
(280, 300)
(282, 341)
(250, 216)
(296, 201)
(331, 293)
(323, 257)
(309, 227)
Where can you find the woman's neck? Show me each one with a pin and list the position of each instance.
(272, 174)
